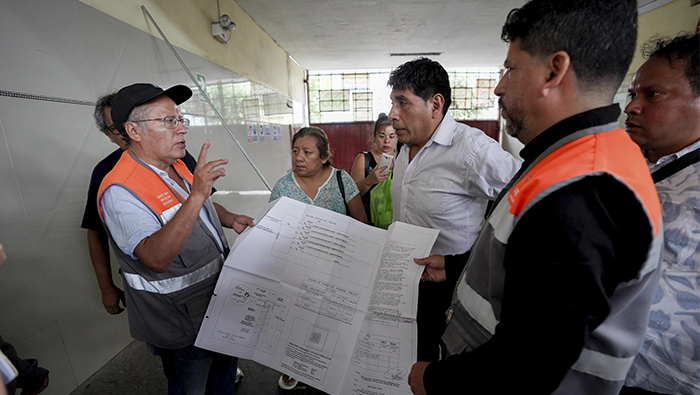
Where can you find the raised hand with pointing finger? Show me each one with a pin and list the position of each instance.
(206, 173)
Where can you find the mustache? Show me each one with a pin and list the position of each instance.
(501, 105)
(629, 121)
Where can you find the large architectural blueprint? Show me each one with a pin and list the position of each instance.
(321, 297)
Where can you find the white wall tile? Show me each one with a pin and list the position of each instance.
(42, 51)
(47, 153)
(44, 140)
(64, 258)
(92, 337)
(26, 303)
(48, 348)
(12, 208)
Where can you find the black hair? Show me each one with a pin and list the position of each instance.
(99, 114)
(681, 51)
(600, 36)
(382, 122)
(324, 147)
(425, 78)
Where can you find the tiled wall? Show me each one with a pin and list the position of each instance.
(50, 306)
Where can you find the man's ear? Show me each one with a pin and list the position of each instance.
(558, 66)
(133, 131)
(436, 103)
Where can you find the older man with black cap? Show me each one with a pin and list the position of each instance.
(169, 239)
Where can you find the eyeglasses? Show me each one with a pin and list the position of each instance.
(170, 122)
(113, 130)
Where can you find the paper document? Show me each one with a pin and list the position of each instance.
(321, 297)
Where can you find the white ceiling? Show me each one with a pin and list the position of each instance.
(361, 34)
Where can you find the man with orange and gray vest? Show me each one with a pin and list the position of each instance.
(169, 238)
(555, 296)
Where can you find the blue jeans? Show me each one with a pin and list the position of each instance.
(195, 371)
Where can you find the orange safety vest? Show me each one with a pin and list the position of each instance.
(147, 185)
(586, 156)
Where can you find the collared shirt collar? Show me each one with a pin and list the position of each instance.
(664, 160)
(444, 133)
(165, 176)
(158, 171)
(587, 119)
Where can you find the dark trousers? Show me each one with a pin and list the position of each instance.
(433, 301)
(30, 376)
(196, 371)
(635, 391)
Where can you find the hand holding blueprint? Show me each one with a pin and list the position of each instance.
(321, 297)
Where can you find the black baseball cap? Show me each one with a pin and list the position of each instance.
(134, 95)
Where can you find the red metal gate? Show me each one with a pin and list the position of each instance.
(347, 139)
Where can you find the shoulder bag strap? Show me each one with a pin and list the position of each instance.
(342, 190)
(677, 165)
(368, 162)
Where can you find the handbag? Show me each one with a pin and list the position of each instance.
(380, 204)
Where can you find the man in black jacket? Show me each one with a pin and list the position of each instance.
(556, 292)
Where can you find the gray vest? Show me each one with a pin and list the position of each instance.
(167, 309)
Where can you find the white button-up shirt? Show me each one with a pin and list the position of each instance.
(449, 182)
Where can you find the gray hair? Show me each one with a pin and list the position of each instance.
(103, 103)
(140, 112)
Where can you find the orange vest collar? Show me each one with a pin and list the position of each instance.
(145, 183)
(595, 153)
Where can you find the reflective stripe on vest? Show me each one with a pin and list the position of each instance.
(503, 222)
(602, 365)
(170, 285)
(478, 307)
(168, 214)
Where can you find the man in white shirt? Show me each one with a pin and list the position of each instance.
(663, 118)
(443, 179)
